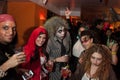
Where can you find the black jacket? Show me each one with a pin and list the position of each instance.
(5, 53)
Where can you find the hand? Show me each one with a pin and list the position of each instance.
(67, 12)
(50, 62)
(15, 60)
(114, 47)
(80, 60)
(62, 59)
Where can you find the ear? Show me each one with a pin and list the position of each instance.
(91, 40)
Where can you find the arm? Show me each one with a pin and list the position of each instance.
(12, 62)
(114, 50)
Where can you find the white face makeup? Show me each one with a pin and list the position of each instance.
(40, 40)
(60, 33)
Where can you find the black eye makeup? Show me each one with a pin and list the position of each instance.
(85, 39)
(5, 27)
(14, 28)
(60, 31)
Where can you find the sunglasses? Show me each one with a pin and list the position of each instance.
(84, 40)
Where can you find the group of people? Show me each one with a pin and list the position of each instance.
(37, 53)
(51, 44)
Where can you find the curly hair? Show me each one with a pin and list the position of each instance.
(54, 23)
(103, 71)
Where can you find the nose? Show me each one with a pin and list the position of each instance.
(10, 31)
(63, 32)
(95, 61)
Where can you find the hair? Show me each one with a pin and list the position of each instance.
(103, 71)
(98, 22)
(90, 34)
(54, 23)
(30, 47)
(36, 55)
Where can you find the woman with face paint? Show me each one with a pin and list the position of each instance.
(8, 60)
(58, 46)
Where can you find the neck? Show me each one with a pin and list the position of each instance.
(93, 70)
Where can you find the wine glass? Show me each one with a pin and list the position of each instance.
(65, 72)
(49, 66)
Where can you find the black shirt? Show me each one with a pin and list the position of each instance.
(5, 53)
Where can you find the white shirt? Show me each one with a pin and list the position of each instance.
(77, 48)
(85, 77)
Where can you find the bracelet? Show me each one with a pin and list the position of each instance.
(2, 73)
(114, 53)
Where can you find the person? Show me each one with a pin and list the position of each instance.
(98, 29)
(77, 48)
(35, 54)
(8, 59)
(97, 65)
(112, 43)
(87, 39)
(58, 46)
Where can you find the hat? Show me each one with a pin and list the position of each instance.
(6, 17)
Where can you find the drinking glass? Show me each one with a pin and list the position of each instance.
(49, 66)
(64, 72)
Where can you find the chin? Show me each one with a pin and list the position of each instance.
(9, 41)
(39, 45)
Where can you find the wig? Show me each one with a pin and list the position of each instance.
(54, 23)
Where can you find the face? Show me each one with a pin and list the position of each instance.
(96, 59)
(60, 33)
(108, 32)
(7, 31)
(40, 40)
(100, 26)
(86, 41)
(80, 30)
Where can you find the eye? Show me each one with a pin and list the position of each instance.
(92, 57)
(14, 28)
(99, 59)
(5, 27)
(39, 36)
(60, 31)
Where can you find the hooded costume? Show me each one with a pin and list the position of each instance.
(29, 49)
